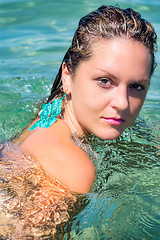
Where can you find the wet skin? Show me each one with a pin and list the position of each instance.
(104, 97)
(108, 90)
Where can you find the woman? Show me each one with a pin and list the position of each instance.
(100, 89)
(105, 77)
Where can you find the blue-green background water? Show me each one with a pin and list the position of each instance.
(34, 35)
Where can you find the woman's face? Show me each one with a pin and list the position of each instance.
(108, 90)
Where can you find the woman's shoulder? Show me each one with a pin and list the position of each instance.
(58, 155)
(72, 167)
(42, 140)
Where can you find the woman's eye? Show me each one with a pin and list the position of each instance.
(104, 82)
(137, 87)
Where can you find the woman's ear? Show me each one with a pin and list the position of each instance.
(66, 79)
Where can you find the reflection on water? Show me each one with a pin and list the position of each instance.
(32, 204)
(124, 202)
(127, 203)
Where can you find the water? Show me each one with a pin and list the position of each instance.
(34, 35)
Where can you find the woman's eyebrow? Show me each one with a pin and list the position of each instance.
(114, 77)
(143, 80)
(109, 74)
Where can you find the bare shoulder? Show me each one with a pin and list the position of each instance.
(77, 170)
(62, 158)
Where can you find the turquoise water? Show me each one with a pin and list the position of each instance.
(34, 35)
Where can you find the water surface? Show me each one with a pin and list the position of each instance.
(34, 35)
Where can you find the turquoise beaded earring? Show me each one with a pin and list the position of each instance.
(48, 114)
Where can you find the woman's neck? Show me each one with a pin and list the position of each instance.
(69, 118)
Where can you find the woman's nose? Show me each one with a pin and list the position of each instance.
(120, 99)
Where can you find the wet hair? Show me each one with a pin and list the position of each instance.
(107, 22)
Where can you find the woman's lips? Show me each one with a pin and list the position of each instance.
(114, 121)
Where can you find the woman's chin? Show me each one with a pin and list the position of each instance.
(109, 135)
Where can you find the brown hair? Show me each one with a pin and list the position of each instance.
(106, 22)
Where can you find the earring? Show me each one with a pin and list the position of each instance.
(61, 88)
(48, 114)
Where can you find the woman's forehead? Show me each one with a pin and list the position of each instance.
(118, 55)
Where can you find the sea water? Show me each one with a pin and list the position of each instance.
(34, 35)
